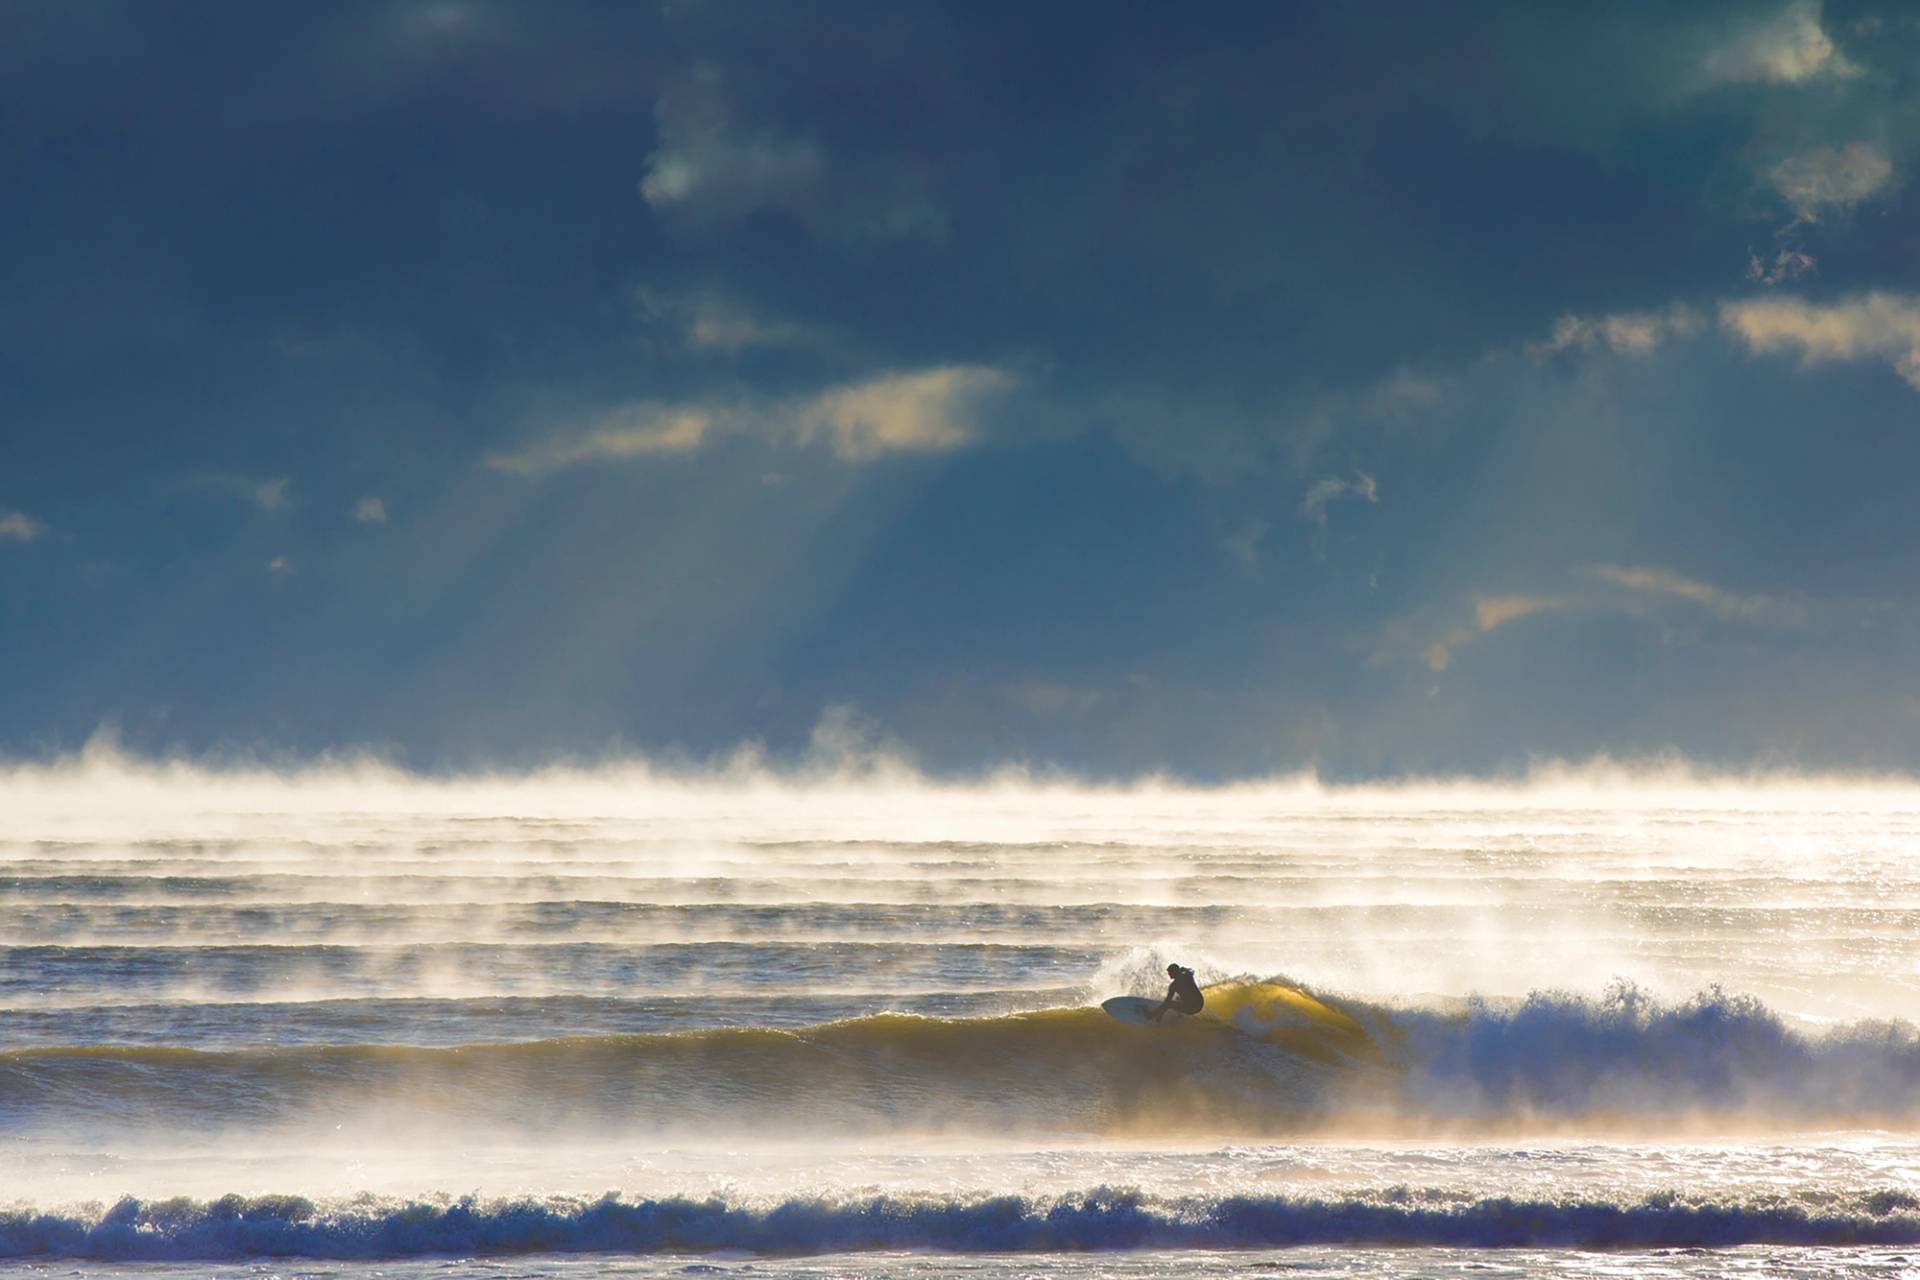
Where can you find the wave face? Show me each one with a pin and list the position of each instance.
(1061, 1070)
(1624, 1061)
(292, 1227)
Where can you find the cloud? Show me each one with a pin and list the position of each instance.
(1831, 177)
(707, 321)
(268, 494)
(927, 411)
(1400, 396)
(708, 166)
(280, 567)
(1243, 544)
(1313, 506)
(1492, 612)
(712, 166)
(1788, 264)
(1056, 699)
(1789, 47)
(1635, 333)
(371, 510)
(18, 526)
(1628, 589)
(630, 431)
(1760, 610)
(923, 411)
(1873, 326)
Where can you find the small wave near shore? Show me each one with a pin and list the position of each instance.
(293, 1227)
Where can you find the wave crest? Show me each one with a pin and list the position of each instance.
(1627, 1054)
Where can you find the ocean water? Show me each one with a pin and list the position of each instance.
(341, 1020)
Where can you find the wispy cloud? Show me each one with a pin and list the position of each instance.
(371, 510)
(922, 411)
(926, 411)
(1627, 332)
(1242, 544)
(707, 164)
(18, 526)
(712, 322)
(1646, 580)
(267, 493)
(631, 431)
(1786, 264)
(714, 163)
(1057, 699)
(1329, 489)
(1831, 177)
(1788, 46)
(1490, 613)
(1873, 326)
(1637, 590)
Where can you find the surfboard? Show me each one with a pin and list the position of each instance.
(1137, 1011)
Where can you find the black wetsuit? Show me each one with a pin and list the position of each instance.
(1183, 995)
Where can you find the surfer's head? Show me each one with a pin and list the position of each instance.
(1173, 971)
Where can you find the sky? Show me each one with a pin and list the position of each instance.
(1368, 388)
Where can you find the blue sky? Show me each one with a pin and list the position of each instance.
(1376, 388)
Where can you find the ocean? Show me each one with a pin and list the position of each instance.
(337, 1019)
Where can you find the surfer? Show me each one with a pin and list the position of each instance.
(1183, 995)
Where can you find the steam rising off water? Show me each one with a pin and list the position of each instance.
(855, 1006)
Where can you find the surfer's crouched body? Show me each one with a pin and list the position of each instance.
(1183, 994)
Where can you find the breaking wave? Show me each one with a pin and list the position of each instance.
(1627, 1056)
(1104, 1218)
(1553, 1061)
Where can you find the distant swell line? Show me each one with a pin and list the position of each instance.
(292, 1227)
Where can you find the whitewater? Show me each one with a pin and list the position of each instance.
(337, 1018)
